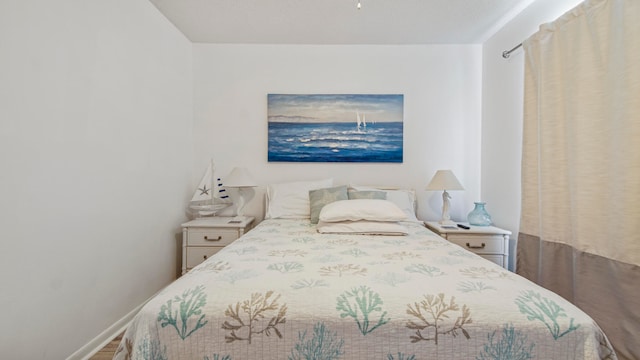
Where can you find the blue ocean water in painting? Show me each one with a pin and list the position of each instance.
(335, 142)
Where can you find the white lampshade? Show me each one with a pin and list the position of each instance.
(239, 178)
(444, 180)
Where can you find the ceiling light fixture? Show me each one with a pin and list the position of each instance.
(359, 6)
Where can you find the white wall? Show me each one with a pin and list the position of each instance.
(442, 97)
(502, 105)
(95, 157)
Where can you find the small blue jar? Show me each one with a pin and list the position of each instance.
(479, 215)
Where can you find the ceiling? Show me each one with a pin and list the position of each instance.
(339, 21)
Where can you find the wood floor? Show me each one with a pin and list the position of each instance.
(107, 352)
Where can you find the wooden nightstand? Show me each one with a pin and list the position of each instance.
(204, 237)
(490, 242)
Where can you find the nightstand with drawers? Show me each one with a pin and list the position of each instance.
(490, 242)
(204, 237)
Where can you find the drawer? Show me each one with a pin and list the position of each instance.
(196, 255)
(211, 237)
(481, 244)
(498, 259)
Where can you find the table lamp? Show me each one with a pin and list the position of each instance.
(241, 179)
(445, 180)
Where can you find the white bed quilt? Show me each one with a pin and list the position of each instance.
(283, 291)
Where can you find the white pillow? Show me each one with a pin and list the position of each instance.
(291, 200)
(320, 197)
(361, 209)
(363, 227)
(404, 199)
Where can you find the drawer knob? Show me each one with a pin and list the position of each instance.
(476, 247)
(205, 257)
(216, 239)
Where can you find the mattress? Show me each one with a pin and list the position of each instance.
(284, 291)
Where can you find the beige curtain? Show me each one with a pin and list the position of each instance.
(580, 225)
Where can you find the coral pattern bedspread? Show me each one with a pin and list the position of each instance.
(283, 291)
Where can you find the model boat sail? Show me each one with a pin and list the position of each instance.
(210, 197)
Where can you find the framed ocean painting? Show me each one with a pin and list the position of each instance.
(335, 128)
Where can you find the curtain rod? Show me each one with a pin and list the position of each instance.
(505, 54)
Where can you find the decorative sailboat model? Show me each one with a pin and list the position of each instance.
(210, 197)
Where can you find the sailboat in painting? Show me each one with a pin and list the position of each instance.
(210, 196)
(360, 124)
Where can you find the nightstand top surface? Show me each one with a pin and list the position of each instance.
(472, 229)
(220, 221)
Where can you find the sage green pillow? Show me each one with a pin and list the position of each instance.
(366, 194)
(321, 197)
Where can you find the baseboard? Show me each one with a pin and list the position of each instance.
(93, 346)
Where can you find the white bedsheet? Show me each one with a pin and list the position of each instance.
(283, 291)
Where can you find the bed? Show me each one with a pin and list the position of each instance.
(285, 290)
